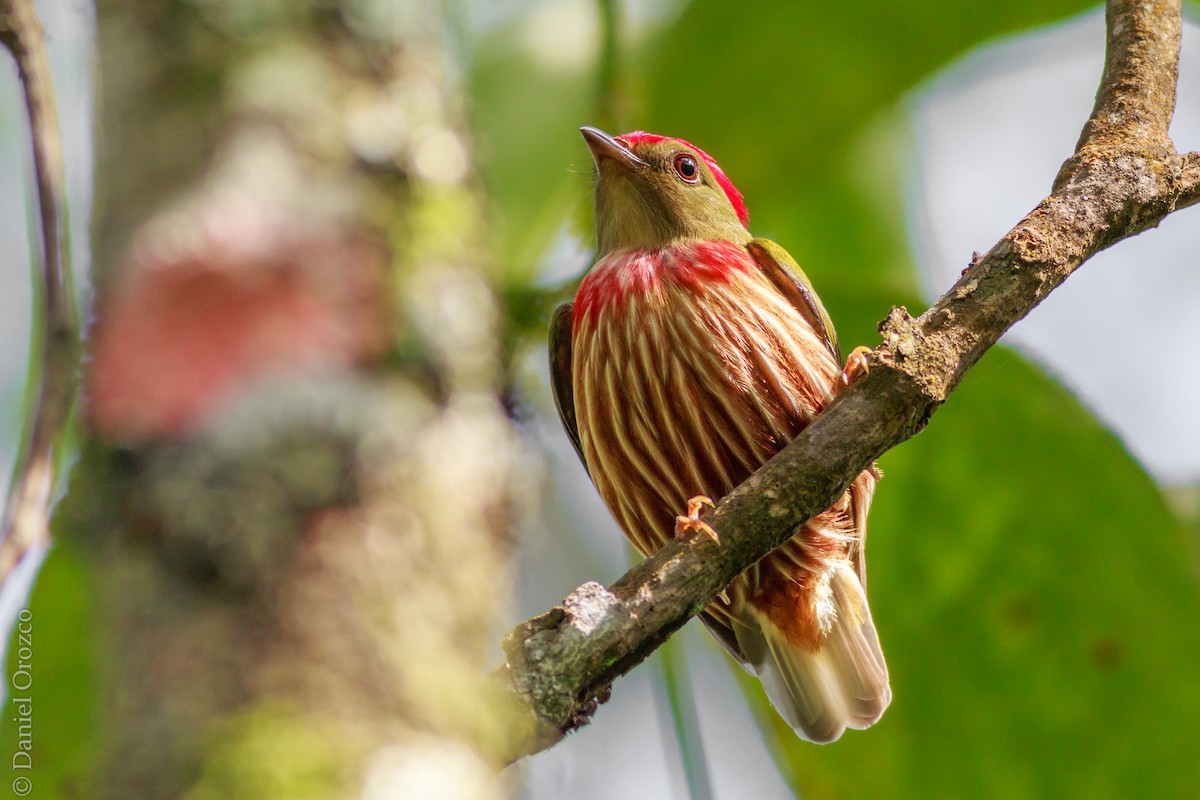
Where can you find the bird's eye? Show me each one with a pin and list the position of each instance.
(685, 167)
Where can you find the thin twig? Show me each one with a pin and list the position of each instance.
(1124, 178)
(26, 514)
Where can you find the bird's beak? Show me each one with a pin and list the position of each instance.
(604, 147)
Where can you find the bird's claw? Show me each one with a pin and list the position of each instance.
(691, 520)
(859, 361)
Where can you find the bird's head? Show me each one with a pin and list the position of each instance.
(652, 191)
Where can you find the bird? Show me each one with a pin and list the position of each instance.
(691, 354)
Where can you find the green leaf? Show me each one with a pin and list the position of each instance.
(1037, 604)
(50, 709)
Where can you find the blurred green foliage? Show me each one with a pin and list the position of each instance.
(1036, 598)
(63, 682)
(1037, 605)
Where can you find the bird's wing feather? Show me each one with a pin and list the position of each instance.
(783, 271)
(560, 374)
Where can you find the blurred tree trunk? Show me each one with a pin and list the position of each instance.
(296, 487)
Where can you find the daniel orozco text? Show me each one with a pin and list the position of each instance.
(21, 703)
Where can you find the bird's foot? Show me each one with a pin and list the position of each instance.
(691, 520)
(859, 361)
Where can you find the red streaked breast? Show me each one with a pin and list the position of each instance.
(644, 273)
(690, 370)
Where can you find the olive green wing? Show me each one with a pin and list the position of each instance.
(778, 265)
(560, 374)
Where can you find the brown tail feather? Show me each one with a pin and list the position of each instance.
(842, 684)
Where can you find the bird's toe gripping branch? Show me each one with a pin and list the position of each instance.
(691, 520)
(858, 362)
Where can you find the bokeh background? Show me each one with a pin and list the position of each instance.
(1032, 554)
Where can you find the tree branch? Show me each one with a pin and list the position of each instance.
(26, 513)
(1189, 182)
(1124, 178)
